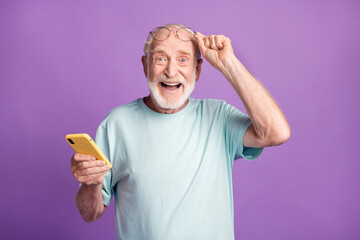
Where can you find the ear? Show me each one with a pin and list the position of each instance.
(198, 69)
(144, 62)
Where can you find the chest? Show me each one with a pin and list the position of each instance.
(169, 153)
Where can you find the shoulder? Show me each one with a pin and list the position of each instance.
(122, 112)
(128, 107)
(214, 106)
(209, 103)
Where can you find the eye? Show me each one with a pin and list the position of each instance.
(160, 59)
(183, 60)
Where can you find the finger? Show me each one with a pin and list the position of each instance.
(88, 164)
(199, 34)
(92, 171)
(91, 179)
(80, 157)
(207, 42)
(212, 42)
(219, 41)
(200, 40)
(226, 42)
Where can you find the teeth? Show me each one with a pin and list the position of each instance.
(171, 84)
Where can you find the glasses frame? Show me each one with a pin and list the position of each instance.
(176, 33)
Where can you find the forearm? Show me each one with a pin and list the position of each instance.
(269, 122)
(89, 202)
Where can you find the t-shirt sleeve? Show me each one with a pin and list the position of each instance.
(102, 141)
(236, 124)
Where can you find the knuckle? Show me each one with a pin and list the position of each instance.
(86, 171)
(80, 173)
(82, 164)
(76, 175)
(81, 179)
(76, 157)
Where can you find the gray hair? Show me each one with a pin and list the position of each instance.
(149, 40)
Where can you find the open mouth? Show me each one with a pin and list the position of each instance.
(171, 86)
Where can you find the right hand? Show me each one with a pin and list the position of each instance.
(87, 170)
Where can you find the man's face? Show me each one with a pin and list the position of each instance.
(171, 71)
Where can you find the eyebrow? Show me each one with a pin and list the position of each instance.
(162, 49)
(158, 49)
(185, 52)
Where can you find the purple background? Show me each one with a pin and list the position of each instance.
(65, 64)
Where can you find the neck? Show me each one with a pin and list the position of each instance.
(149, 101)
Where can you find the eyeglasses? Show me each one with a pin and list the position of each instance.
(185, 34)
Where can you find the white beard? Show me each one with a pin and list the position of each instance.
(170, 102)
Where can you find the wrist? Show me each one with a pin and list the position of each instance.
(236, 74)
(92, 186)
(231, 66)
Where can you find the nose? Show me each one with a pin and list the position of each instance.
(171, 69)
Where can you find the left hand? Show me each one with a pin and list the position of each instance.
(216, 49)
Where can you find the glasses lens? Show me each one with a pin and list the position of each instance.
(185, 34)
(160, 33)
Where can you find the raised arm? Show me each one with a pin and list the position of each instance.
(269, 126)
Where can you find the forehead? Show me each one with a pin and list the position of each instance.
(172, 44)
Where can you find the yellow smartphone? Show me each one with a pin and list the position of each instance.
(83, 143)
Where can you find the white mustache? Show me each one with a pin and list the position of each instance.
(176, 79)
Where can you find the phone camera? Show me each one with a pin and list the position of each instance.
(70, 141)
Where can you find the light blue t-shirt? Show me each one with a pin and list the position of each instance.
(171, 173)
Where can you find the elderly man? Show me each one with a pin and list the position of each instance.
(172, 155)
